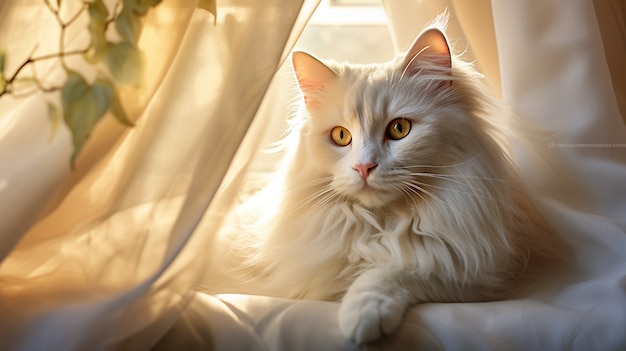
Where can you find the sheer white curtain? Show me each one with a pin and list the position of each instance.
(107, 255)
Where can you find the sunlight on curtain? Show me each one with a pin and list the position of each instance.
(470, 28)
(106, 256)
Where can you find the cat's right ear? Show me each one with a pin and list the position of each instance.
(313, 77)
(429, 53)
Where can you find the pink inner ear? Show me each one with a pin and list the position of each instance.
(313, 76)
(429, 49)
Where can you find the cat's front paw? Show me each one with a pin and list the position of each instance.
(368, 315)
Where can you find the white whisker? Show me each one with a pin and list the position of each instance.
(447, 166)
(475, 192)
(454, 177)
(416, 188)
(411, 62)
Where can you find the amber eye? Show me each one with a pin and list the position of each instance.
(341, 136)
(398, 128)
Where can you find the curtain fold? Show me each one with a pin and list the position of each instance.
(470, 30)
(116, 254)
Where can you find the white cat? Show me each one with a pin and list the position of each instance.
(393, 191)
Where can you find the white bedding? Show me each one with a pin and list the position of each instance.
(584, 310)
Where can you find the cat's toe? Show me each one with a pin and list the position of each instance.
(369, 316)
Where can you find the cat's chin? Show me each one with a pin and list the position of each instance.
(372, 199)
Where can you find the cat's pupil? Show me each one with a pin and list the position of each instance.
(398, 128)
(341, 136)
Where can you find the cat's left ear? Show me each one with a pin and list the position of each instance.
(313, 76)
(430, 52)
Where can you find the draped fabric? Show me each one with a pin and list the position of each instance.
(105, 256)
(109, 255)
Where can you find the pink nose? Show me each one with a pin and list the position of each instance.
(364, 169)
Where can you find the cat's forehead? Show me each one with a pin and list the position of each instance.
(366, 73)
(375, 93)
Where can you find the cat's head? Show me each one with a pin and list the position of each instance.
(375, 131)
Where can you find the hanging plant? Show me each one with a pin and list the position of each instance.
(119, 62)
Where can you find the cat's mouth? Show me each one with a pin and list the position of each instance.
(367, 187)
(371, 196)
(369, 193)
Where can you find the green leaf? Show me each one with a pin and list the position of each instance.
(127, 25)
(141, 7)
(97, 27)
(3, 56)
(119, 113)
(3, 82)
(116, 106)
(126, 63)
(211, 6)
(83, 106)
(55, 118)
(98, 10)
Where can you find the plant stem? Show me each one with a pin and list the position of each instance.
(42, 58)
(60, 55)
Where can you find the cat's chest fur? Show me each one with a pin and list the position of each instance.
(318, 253)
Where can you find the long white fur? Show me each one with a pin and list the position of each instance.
(447, 226)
